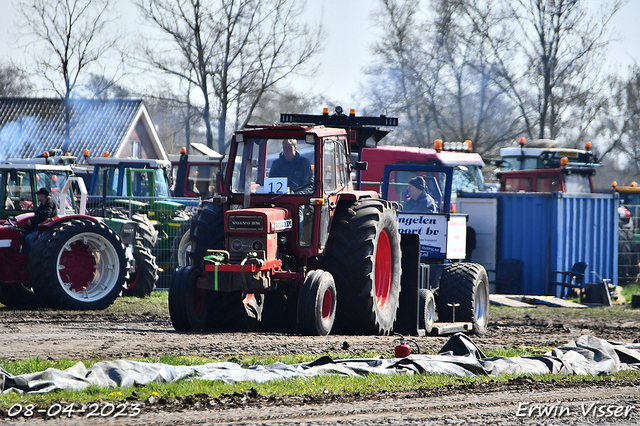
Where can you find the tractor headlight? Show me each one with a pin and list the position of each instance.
(236, 245)
(257, 245)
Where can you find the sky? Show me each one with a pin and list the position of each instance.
(350, 33)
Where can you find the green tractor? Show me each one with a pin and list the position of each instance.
(138, 189)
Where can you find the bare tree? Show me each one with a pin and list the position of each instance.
(436, 75)
(13, 82)
(620, 127)
(68, 37)
(233, 51)
(551, 67)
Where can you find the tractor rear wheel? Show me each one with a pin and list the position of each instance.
(146, 231)
(207, 232)
(465, 284)
(427, 306)
(143, 281)
(317, 304)
(190, 307)
(81, 266)
(363, 256)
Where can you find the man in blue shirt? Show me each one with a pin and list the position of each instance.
(292, 165)
(419, 201)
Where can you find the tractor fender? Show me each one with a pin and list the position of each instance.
(57, 220)
(352, 196)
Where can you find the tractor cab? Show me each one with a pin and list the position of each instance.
(21, 181)
(541, 166)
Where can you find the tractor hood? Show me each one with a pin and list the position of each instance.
(268, 220)
(167, 207)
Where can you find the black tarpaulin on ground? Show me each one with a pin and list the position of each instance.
(459, 357)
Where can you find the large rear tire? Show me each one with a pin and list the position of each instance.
(465, 284)
(146, 231)
(143, 281)
(317, 304)
(190, 307)
(82, 266)
(207, 232)
(363, 256)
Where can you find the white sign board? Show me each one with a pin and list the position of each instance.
(457, 237)
(278, 185)
(432, 229)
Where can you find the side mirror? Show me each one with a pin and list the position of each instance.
(361, 165)
(13, 174)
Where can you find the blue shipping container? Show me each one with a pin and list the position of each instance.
(552, 231)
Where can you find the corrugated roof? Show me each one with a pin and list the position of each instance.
(28, 127)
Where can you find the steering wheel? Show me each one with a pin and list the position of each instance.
(13, 222)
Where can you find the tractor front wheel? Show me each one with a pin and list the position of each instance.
(317, 304)
(81, 266)
(189, 306)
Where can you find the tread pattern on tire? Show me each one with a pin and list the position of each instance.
(350, 258)
(459, 284)
(146, 272)
(207, 231)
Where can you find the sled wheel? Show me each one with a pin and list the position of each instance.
(427, 307)
(317, 304)
(143, 281)
(363, 256)
(82, 268)
(465, 284)
(189, 306)
(207, 232)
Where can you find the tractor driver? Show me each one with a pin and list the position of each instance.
(419, 201)
(46, 210)
(292, 165)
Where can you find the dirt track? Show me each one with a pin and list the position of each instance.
(57, 335)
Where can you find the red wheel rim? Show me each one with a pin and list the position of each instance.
(384, 270)
(327, 305)
(77, 266)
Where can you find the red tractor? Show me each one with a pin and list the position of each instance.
(76, 262)
(307, 251)
(279, 252)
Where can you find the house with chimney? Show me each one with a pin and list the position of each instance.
(122, 128)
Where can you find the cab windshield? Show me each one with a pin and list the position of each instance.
(467, 179)
(273, 166)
